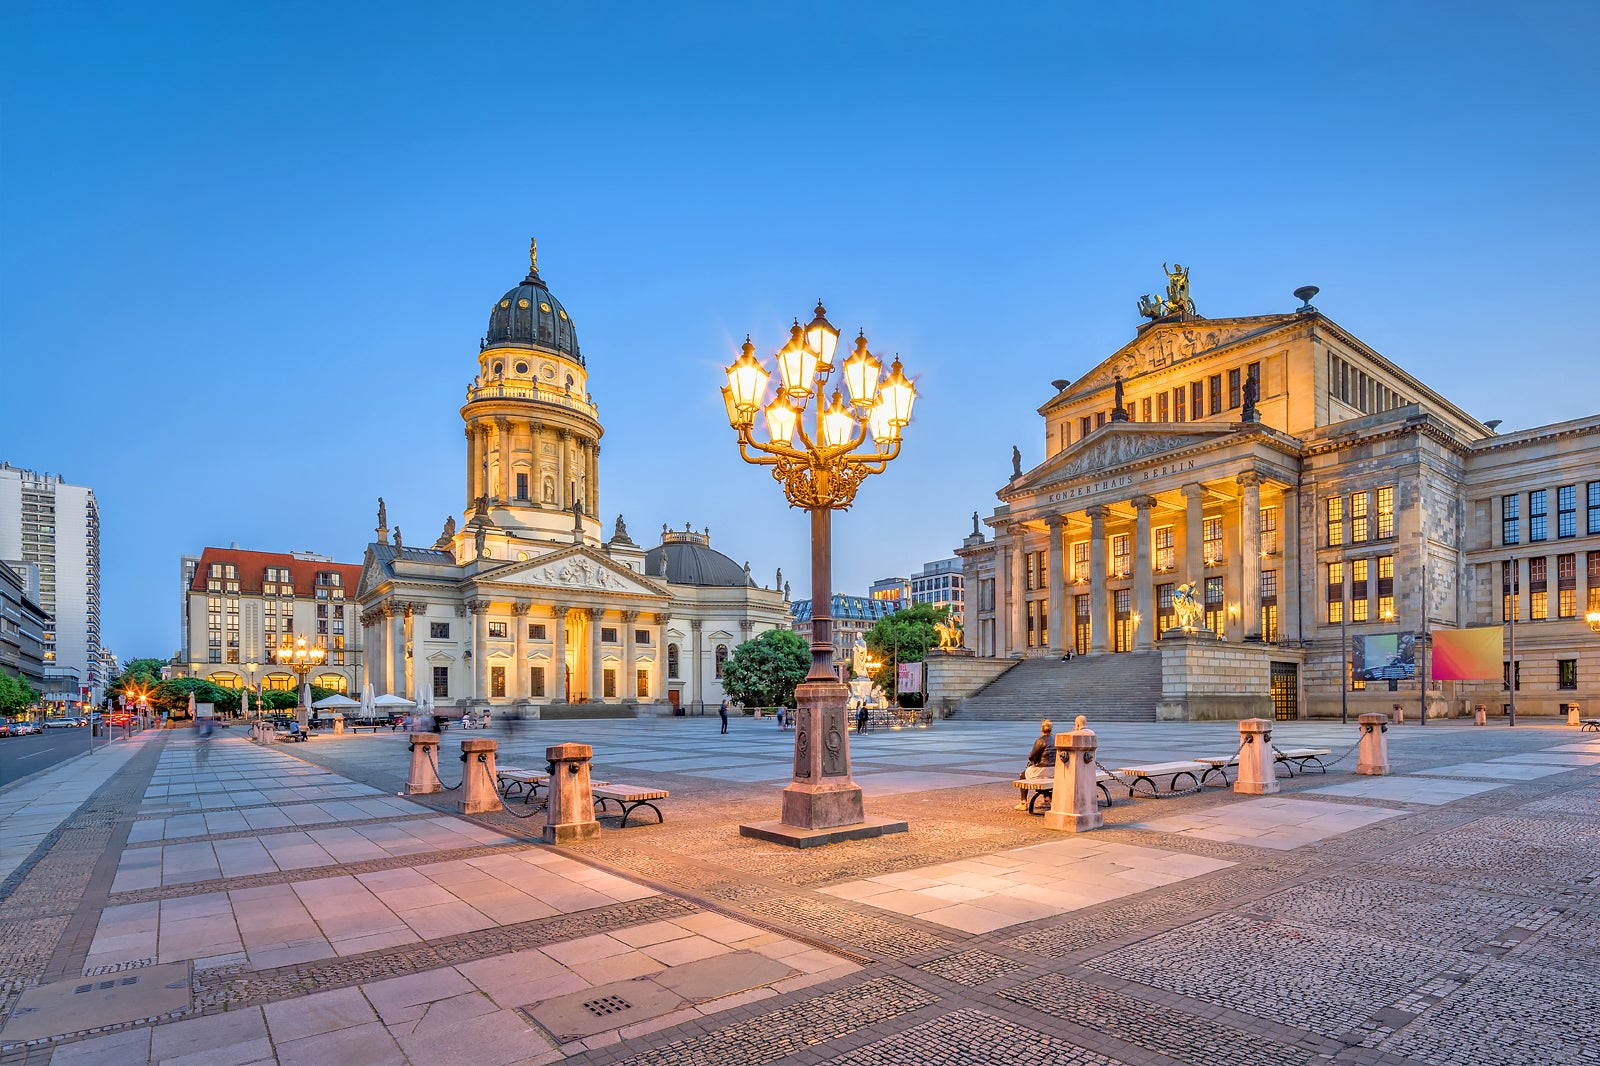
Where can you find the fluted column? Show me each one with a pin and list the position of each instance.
(1099, 629)
(1144, 590)
(658, 674)
(519, 673)
(694, 656)
(1056, 559)
(596, 690)
(502, 437)
(1289, 584)
(472, 464)
(397, 648)
(1194, 537)
(480, 650)
(1250, 554)
(594, 479)
(1002, 595)
(1019, 632)
(563, 500)
(408, 644)
(628, 690)
(558, 668)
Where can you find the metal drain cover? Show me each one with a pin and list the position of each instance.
(607, 1005)
(80, 1003)
(594, 1010)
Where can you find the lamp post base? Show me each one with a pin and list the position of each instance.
(821, 805)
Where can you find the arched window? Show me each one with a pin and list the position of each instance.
(722, 657)
(225, 680)
(278, 682)
(331, 682)
(672, 661)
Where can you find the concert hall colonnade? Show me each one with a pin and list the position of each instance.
(1347, 485)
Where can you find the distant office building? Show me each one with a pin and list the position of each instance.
(891, 590)
(939, 584)
(49, 524)
(23, 624)
(239, 605)
(852, 617)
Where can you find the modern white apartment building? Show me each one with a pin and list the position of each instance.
(49, 524)
(939, 583)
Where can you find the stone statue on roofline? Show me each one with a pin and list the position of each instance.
(1016, 462)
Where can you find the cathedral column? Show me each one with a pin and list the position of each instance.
(593, 506)
(1002, 595)
(1099, 629)
(1194, 538)
(658, 673)
(563, 438)
(480, 650)
(409, 643)
(1056, 559)
(629, 690)
(596, 689)
(397, 648)
(1289, 585)
(558, 668)
(519, 674)
(1250, 554)
(502, 431)
(1144, 589)
(472, 464)
(694, 654)
(1019, 634)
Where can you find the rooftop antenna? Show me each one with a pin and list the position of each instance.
(1304, 294)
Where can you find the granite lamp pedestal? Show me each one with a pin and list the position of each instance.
(821, 805)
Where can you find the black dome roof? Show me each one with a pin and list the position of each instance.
(689, 563)
(529, 317)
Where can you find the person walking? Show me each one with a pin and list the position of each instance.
(722, 712)
(861, 716)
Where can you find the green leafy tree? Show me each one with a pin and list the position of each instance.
(173, 696)
(16, 695)
(137, 674)
(903, 637)
(763, 672)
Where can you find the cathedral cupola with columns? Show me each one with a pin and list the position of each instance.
(532, 427)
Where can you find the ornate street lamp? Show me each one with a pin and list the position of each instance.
(300, 657)
(820, 466)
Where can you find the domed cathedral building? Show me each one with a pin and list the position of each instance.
(1304, 503)
(526, 604)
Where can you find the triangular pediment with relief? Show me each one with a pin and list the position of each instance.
(573, 570)
(1163, 345)
(1116, 445)
(373, 573)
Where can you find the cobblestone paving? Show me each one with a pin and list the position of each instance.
(1152, 1026)
(1453, 934)
(971, 1036)
(771, 1035)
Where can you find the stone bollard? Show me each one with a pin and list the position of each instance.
(1374, 756)
(1257, 769)
(1074, 804)
(1574, 716)
(338, 724)
(1399, 714)
(478, 791)
(1480, 715)
(424, 753)
(569, 811)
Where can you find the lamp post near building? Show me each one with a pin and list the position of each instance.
(301, 657)
(820, 467)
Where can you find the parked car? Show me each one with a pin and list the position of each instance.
(6, 729)
(61, 723)
(24, 729)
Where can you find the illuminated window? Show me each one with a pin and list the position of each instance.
(1358, 517)
(1212, 541)
(1538, 589)
(1166, 617)
(1510, 591)
(1122, 628)
(1121, 555)
(1166, 549)
(1335, 597)
(1082, 623)
(1216, 616)
(1269, 531)
(1386, 511)
(1080, 561)
(1567, 585)
(1386, 587)
(1358, 590)
(1335, 521)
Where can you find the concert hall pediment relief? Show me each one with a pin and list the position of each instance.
(574, 570)
(1161, 346)
(1110, 448)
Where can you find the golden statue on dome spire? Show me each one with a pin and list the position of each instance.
(533, 255)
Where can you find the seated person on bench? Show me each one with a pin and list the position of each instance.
(294, 727)
(1041, 760)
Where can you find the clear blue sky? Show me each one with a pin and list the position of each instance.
(248, 249)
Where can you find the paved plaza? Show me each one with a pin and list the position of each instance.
(176, 901)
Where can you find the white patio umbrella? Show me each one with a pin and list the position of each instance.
(335, 702)
(244, 702)
(367, 710)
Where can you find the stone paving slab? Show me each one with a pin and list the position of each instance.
(1497, 771)
(1277, 822)
(1426, 790)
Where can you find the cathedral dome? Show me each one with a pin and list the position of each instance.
(690, 560)
(529, 317)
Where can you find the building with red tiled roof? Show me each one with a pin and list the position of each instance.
(239, 605)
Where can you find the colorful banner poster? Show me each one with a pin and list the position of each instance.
(1384, 656)
(1469, 654)
(908, 677)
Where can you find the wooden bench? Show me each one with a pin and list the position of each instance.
(1301, 758)
(1044, 787)
(629, 798)
(527, 782)
(1589, 725)
(1170, 770)
(356, 727)
(297, 737)
(1217, 764)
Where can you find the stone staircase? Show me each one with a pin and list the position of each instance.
(1123, 687)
